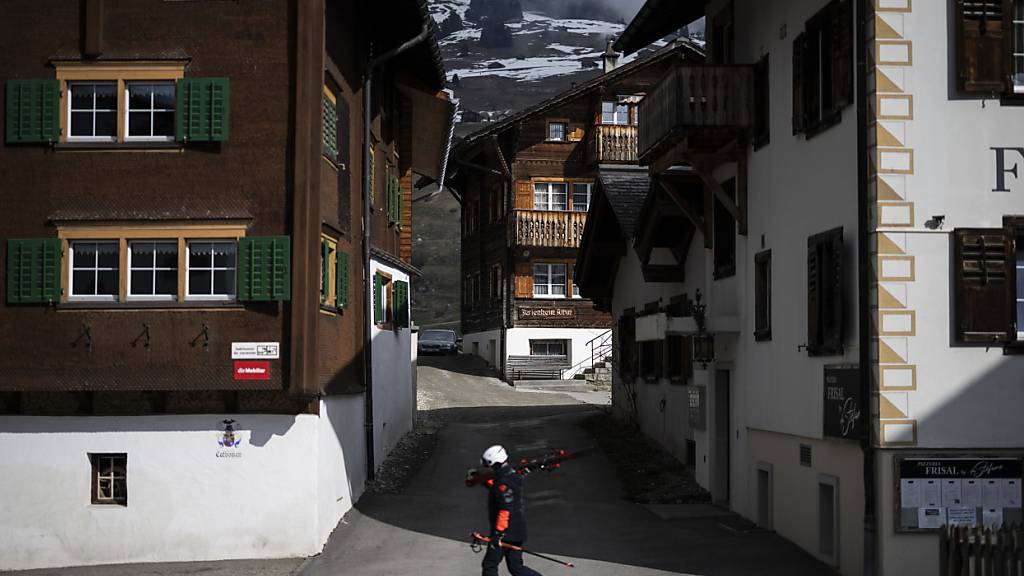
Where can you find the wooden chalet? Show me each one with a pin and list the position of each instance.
(527, 187)
(183, 185)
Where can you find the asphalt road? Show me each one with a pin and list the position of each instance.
(575, 513)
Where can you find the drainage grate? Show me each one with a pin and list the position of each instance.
(805, 454)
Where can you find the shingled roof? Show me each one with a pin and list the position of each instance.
(626, 190)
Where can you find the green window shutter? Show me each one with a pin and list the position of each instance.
(330, 129)
(203, 109)
(33, 111)
(402, 304)
(341, 278)
(33, 271)
(325, 271)
(378, 302)
(398, 201)
(391, 199)
(264, 268)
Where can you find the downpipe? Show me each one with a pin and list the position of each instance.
(870, 559)
(371, 66)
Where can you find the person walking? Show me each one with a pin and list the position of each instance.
(506, 514)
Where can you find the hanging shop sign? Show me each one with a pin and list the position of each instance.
(696, 407)
(934, 492)
(255, 350)
(547, 312)
(845, 412)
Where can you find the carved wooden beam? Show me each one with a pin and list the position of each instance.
(480, 167)
(670, 157)
(684, 206)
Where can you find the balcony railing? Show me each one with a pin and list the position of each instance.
(695, 102)
(612, 144)
(546, 229)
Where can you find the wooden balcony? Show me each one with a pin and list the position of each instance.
(614, 144)
(702, 107)
(544, 229)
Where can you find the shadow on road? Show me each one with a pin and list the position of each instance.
(576, 512)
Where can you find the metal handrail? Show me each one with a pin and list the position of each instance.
(598, 353)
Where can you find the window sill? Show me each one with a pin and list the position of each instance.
(152, 305)
(122, 146)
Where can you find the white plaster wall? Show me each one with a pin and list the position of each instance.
(393, 400)
(795, 492)
(483, 341)
(954, 168)
(668, 424)
(519, 342)
(341, 466)
(184, 502)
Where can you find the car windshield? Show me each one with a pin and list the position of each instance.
(438, 335)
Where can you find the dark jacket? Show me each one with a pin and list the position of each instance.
(506, 504)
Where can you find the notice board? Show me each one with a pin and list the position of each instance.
(966, 491)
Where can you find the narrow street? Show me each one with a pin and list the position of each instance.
(576, 513)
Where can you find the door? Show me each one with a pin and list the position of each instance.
(723, 443)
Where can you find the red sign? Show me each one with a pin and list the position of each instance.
(252, 370)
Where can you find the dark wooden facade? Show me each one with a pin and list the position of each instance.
(269, 177)
(495, 171)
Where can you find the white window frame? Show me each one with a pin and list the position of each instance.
(616, 118)
(96, 269)
(128, 110)
(94, 110)
(565, 131)
(213, 269)
(549, 195)
(590, 195)
(113, 478)
(549, 285)
(154, 269)
(547, 342)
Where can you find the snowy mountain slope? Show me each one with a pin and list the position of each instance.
(541, 54)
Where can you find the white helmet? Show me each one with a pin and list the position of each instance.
(494, 455)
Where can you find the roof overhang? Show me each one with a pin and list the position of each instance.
(655, 20)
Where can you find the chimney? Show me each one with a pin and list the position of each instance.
(610, 58)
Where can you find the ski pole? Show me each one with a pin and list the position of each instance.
(477, 537)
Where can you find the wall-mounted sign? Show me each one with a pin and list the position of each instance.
(957, 491)
(845, 412)
(547, 312)
(255, 350)
(696, 407)
(252, 370)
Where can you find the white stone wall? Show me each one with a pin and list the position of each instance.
(394, 401)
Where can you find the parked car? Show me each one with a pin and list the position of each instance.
(438, 342)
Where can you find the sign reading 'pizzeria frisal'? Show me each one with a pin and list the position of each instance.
(844, 411)
(547, 312)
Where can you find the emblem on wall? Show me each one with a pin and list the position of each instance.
(229, 438)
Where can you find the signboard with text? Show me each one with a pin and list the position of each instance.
(252, 370)
(255, 350)
(547, 312)
(957, 491)
(845, 412)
